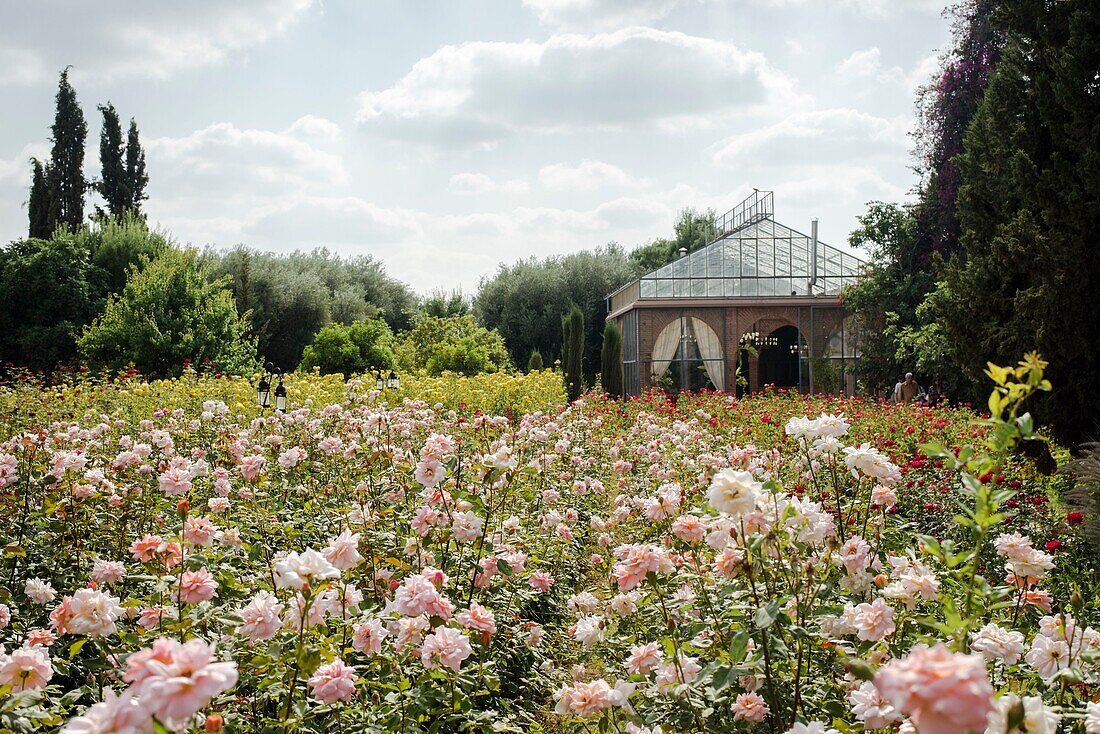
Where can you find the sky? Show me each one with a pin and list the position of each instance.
(445, 137)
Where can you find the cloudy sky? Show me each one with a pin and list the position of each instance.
(445, 136)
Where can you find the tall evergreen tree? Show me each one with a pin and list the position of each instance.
(1029, 206)
(66, 181)
(38, 206)
(136, 177)
(572, 361)
(611, 369)
(113, 184)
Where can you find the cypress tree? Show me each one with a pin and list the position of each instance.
(38, 207)
(1026, 276)
(534, 363)
(572, 330)
(611, 360)
(113, 183)
(66, 180)
(136, 177)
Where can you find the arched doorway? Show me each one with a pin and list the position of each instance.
(688, 355)
(779, 362)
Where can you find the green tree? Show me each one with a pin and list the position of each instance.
(350, 349)
(136, 176)
(691, 232)
(886, 297)
(535, 364)
(1028, 206)
(440, 303)
(112, 184)
(123, 178)
(38, 206)
(525, 301)
(167, 313)
(451, 344)
(611, 360)
(294, 296)
(48, 292)
(572, 362)
(120, 246)
(66, 182)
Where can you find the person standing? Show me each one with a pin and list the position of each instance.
(896, 395)
(909, 389)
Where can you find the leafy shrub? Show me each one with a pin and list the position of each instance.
(166, 315)
(451, 344)
(357, 348)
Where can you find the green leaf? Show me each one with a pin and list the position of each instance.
(76, 647)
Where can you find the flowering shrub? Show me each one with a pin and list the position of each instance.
(641, 566)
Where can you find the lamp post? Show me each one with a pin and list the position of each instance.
(383, 382)
(263, 389)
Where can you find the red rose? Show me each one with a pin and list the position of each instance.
(1075, 518)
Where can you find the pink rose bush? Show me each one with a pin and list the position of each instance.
(646, 566)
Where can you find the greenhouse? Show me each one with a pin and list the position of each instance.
(759, 305)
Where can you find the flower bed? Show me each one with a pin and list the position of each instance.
(173, 560)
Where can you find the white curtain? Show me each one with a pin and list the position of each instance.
(710, 350)
(664, 349)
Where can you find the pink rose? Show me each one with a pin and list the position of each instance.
(333, 682)
(445, 647)
(942, 692)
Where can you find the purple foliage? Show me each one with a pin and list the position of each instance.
(946, 108)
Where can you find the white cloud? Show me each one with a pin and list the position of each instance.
(478, 93)
(311, 127)
(222, 162)
(480, 183)
(924, 71)
(806, 138)
(318, 220)
(862, 64)
(870, 9)
(116, 39)
(588, 175)
(602, 14)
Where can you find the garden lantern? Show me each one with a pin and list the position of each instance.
(263, 392)
(379, 383)
(280, 396)
(394, 382)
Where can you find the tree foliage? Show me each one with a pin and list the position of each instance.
(899, 300)
(292, 297)
(66, 183)
(572, 359)
(1029, 206)
(38, 205)
(47, 294)
(691, 232)
(122, 166)
(535, 363)
(354, 348)
(440, 303)
(525, 301)
(945, 108)
(72, 275)
(611, 360)
(168, 313)
(451, 344)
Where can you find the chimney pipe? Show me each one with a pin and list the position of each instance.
(813, 257)
(683, 251)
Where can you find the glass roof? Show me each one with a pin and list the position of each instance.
(761, 258)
